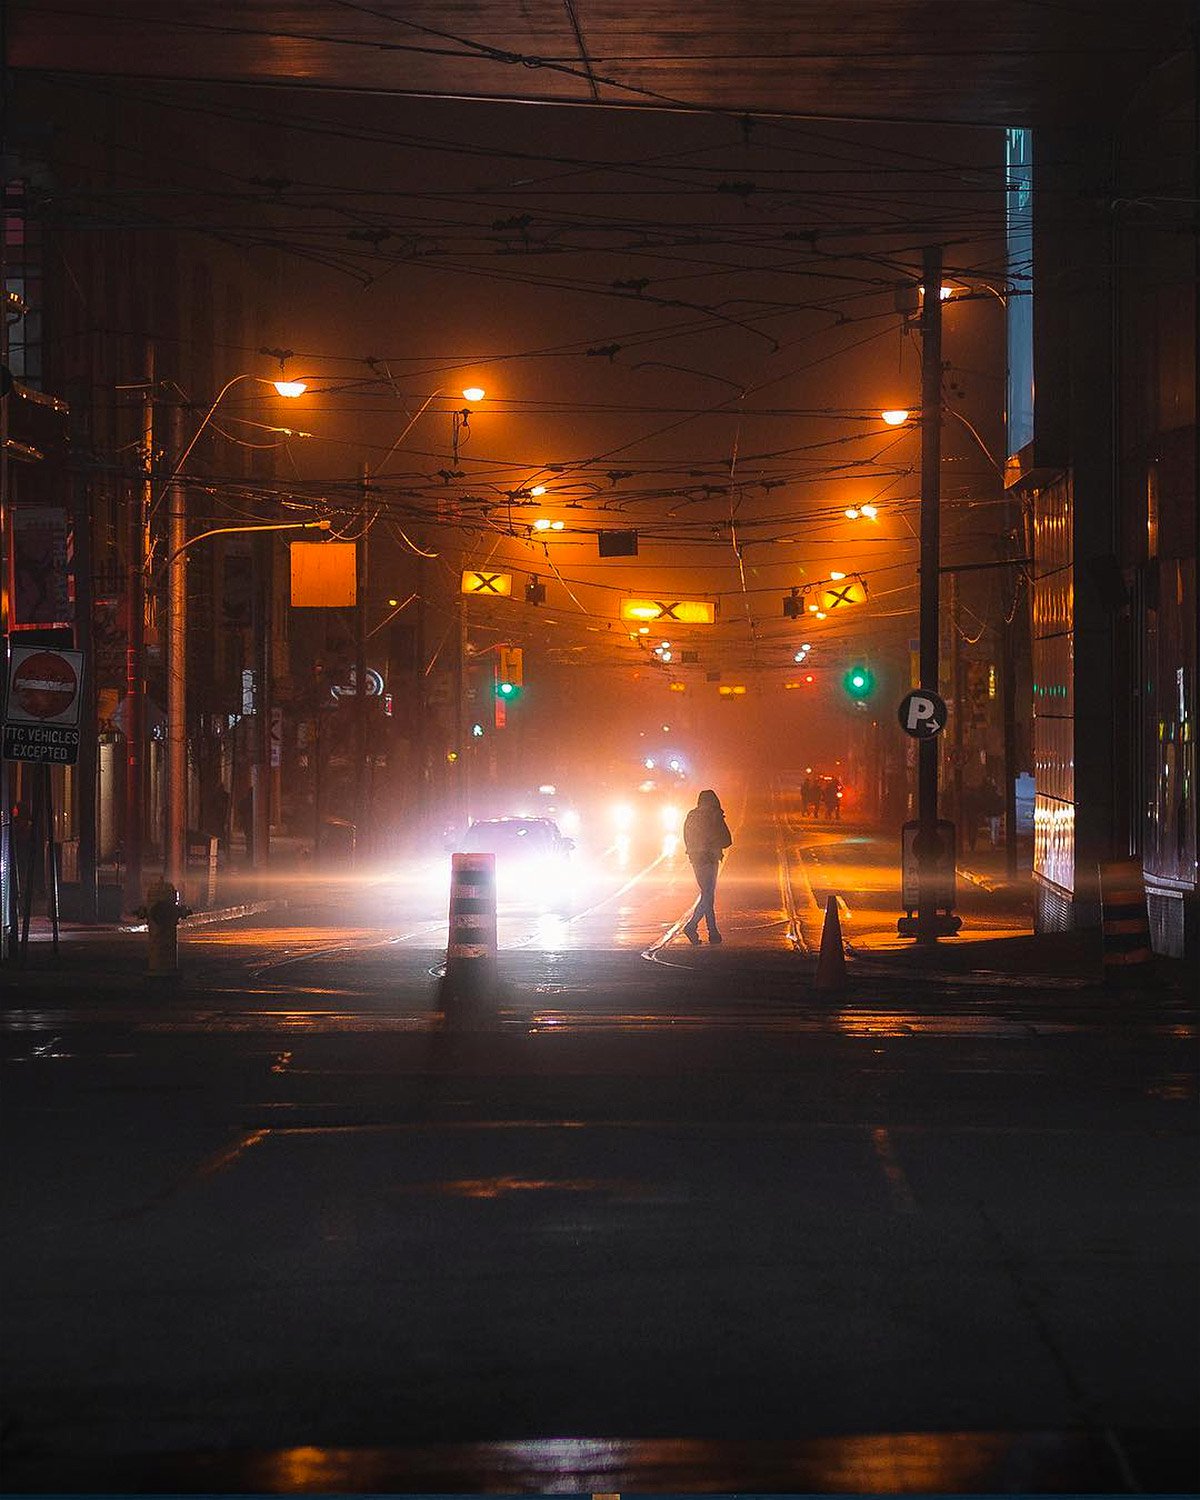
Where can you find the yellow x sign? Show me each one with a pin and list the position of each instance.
(669, 611)
(846, 591)
(498, 585)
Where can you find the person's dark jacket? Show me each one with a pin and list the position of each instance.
(706, 834)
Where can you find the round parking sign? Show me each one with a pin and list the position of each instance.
(922, 714)
(44, 685)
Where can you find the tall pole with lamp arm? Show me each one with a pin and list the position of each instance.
(930, 553)
(175, 841)
(460, 427)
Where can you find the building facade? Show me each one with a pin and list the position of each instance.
(1103, 452)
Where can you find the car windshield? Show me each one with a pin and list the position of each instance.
(519, 836)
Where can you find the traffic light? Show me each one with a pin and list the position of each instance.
(510, 674)
(511, 665)
(859, 683)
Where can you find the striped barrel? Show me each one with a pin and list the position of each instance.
(471, 944)
(1124, 922)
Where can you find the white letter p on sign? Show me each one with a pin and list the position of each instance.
(920, 711)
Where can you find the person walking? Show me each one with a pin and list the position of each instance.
(814, 796)
(832, 797)
(706, 837)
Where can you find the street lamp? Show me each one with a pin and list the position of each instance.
(472, 394)
(176, 629)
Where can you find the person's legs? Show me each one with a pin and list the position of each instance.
(691, 926)
(706, 875)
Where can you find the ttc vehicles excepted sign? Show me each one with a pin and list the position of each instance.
(41, 705)
(922, 713)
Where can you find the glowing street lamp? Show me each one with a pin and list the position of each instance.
(895, 417)
(175, 631)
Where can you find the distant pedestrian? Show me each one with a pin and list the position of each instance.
(808, 794)
(832, 798)
(706, 837)
(815, 796)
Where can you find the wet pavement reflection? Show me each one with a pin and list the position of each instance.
(975, 1462)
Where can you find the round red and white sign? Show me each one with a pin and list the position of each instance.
(44, 685)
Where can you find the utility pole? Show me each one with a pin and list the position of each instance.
(1008, 691)
(6, 849)
(931, 464)
(958, 723)
(135, 651)
(361, 561)
(260, 770)
(176, 633)
(461, 735)
(87, 766)
(421, 728)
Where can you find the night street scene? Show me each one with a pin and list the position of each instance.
(598, 813)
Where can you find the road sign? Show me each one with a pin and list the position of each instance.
(922, 713)
(511, 665)
(349, 689)
(669, 611)
(841, 593)
(497, 585)
(324, 575)
(41, 705)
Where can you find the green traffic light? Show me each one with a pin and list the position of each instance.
(859, 682)
(508, 690)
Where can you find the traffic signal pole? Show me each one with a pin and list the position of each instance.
(175, 850)
(135, 651)
(931, 465)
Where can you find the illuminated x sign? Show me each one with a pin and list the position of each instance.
(498, 585)
(839, 595)
(732, 691)
(675, 611)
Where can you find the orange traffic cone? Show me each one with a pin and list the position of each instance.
(831, 965)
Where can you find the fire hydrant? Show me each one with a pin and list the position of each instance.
(163, 913)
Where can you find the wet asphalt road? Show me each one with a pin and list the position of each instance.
(283, 1230)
